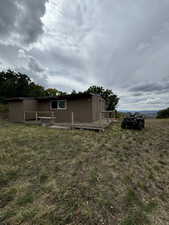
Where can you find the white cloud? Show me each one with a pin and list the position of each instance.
(65, 83)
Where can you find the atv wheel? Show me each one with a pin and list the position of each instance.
(140, 125)
(123, 125)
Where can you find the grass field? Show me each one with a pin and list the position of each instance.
(59, 177)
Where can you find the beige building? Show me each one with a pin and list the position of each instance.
(79, 107)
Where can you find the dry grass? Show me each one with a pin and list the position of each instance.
(59, 177)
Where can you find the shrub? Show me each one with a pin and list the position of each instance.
(163, 113)
(3, 108)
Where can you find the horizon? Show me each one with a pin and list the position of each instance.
(123, 110)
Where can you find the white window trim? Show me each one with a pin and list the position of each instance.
(58, 104)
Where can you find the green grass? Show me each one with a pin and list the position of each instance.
(62, 177)
(137, 211)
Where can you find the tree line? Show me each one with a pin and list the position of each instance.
(163, 114)
(16, 84)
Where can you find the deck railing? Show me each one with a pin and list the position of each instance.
(51, 116)
(108, 115)
(36, 115)
(44, 116)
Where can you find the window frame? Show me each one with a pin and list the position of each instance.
(58, 108)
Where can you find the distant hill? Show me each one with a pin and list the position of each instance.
(146, 113)
(149, 114)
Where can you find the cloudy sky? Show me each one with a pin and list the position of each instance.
(72, 44)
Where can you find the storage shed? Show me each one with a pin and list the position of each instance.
(84, 108)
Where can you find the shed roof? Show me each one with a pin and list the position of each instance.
(60, 97)
(14, 99)
(71, 96)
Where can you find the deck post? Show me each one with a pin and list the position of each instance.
(24, 116)
(36, 116)
(72, 118)
(100, 118)
(53, 115)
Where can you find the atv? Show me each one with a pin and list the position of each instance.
(133, 121)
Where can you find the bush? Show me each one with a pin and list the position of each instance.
(3, 108)
(163, 113)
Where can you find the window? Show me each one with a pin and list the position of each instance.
(54, 104)
(58, 104)
(61, 104)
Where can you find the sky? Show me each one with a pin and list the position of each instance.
(73, 44)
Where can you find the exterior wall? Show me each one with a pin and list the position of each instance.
(31, 107)
(86, 109)
(43, 105)
(98, 106)
(81, 108)
(16, 111)
(3, 116)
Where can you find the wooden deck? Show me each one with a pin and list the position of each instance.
(99, 126)
(95, 126)
(47, 118)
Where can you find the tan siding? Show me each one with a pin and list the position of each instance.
(82, 109)
(30, 105)
(16, 111)
(44, 106)
(98, 106)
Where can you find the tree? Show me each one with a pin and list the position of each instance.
(74, 92)
(36, 90)
(62, 93)
(52, 92)
(110, 98)
(163, 113)
(13, 84)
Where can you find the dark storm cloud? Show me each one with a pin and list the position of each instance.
(8, 53)
(11, 57)
(21, 20)
(8, 16)
(29, 21)
(137, 94)
(39, 78)
(151, 87)
(32, 67)
(70, 65)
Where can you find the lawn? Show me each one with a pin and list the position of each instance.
(63, 177)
